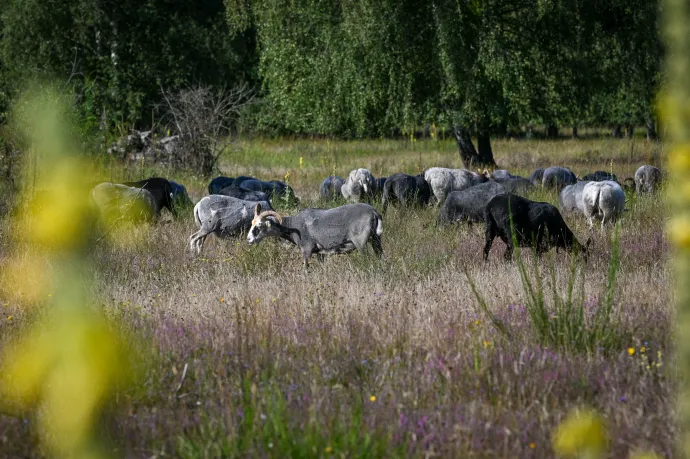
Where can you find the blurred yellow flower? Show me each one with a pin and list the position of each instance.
(476, 322)
(222, 300)
(9, 318)
(301, 161)
(631, 351)
(372, 398)
(67, 368)
(581, 434)
(643, 350)
(328, 450)
(532, 445)
(257, 301)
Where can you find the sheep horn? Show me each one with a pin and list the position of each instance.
(271, 213)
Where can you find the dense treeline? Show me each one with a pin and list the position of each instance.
(349, 68)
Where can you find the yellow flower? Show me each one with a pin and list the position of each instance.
(372, 398)
(328, 450)
(631, 351)
(581, 434)
(9, 319)
(476, 322)
(487, 344)
(257, 301)
(532, 445)
(301, 161)
(222, 300)
(643, 349)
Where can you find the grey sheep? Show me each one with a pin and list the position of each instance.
(605, 200)
(648, 179)
(405, 189)
(223, 216)
(443, 181)
(536, 177)
(469, 205)
(359, 186)
(557, 177)
(570, 197)
(331, 187)
(322, 231)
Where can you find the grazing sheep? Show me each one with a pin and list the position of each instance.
(647, 179)
(160, 189)
(557, 177)
(570, 197)
(219, 183)
(534, 224)
(443, 181)
(274, 188)
(120, 202)
(359, 186)
(500, 174)
(536, 177)
(406, 189)
(322, 231)
(246, 195)
(223, 216)
(180, 198)
(605, 200)
(600, 176)
(331, 187)
(469, 204)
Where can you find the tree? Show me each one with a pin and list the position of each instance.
(116, 55)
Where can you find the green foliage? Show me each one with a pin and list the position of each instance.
(118, 55)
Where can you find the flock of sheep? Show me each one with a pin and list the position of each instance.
(243, 204)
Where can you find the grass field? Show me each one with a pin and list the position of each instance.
(245, 353)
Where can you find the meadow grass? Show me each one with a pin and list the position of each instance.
(246, 353)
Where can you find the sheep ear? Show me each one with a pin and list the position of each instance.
(257, 210)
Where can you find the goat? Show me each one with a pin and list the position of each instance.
(322, 231)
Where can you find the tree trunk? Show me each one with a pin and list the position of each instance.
(574, 131)
(652, 135)
(469, 155)
(629, 131)
(552, 131)
(617, 132)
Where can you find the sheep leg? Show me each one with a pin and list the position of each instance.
(489, 236)
(603, 222)
(508, 254)
(376, 244)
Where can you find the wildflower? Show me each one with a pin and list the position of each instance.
(222, 300)
(487, 344)
(301, 162)
(328, 450)
(372, 398)
(581, 434)
(532, 445)
(257, 301)
(631, 351)
(642, 350)
(9, 318)
(273, 300)
(476, 322)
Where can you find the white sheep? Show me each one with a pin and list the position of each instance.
(605, 200)
(443, 181)
(359, 186)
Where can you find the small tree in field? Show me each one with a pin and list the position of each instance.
(203, 118)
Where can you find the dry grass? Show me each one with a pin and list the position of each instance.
(284, 362)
